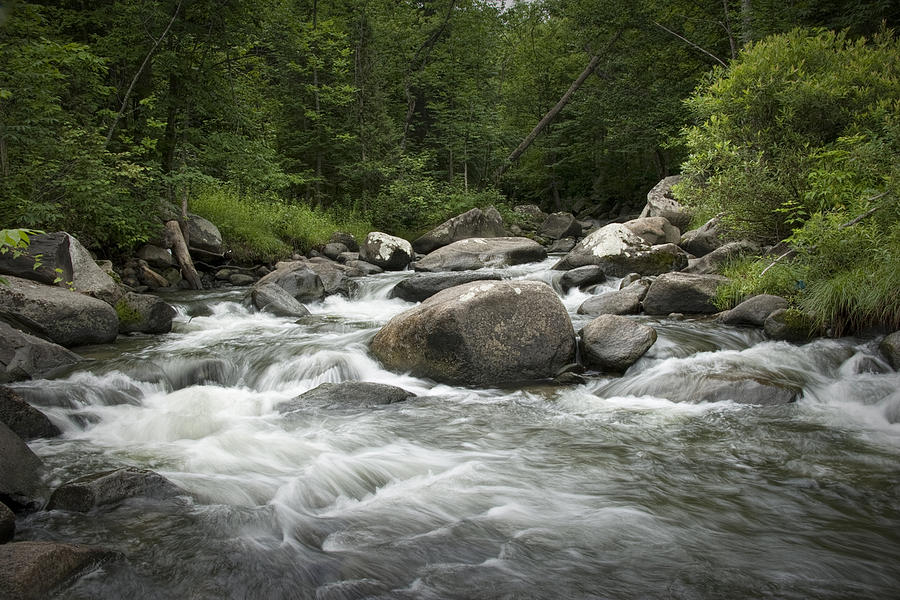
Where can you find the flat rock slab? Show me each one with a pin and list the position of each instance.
(109, 487)
(349, 394)
(24, 356)
(422, 286)
(35, 570)
(23, 419)
(479, 253)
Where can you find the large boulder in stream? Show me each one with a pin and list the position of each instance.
(754, 311)
(560, 225)
(336, 278)
(481, 333)
(425, 285)
(7, 524)
(37, 570)
(144, 313)
(626, 301)
(682, 293)
(23, 419)
(272, 298)
(890, 348)
(297, 279)
(389, 252)
(348, 394)
(582, 277)
(474, 223)
(110, 487)
(24, 356)
(478, 253)
(64, 317)
(20, 471)
(661, 203)
(614, 343)
(704, 239)
(619, 251)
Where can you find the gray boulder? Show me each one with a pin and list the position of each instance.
(50, 251)
(715, 260)
(64, 317)
(654, 230)
(156, 257)
(753, 311)
(347, 239)
(333, 250)
(790, 325)
(619, 251)
(560, 225)
(582, 277)
(363, 267)
(890, 347)
(425, 285)
(297, 279)
(144, 313)
(204, 236)
(90, 279)
(386, 251)
(562, 246)
(474, 223)
(24, 356)
(23, 419)
(37, 570)
(110, 487)
(743, 391)
(626, 301)
(20, 471)
(274, 299)
(7, 524)
(481, 333)
(661, 203)
(614, 343)
(336, 278)
(704, 239)
(349, 394)
(682, 293)
(478, 253)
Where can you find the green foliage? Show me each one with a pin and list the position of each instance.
(746, 279)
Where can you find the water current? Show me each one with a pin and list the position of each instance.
(619, 488)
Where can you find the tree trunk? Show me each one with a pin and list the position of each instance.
(747, 22)
(173, 232)
(551, 114)
(727, 25)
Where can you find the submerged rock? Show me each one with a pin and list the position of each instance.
(24, 356)
(109, 487)
(23, 419)
(474, 223)
(744, 391)
(478, 253)
(422, 286)
(614, 343)
(481, 333)
(36, 570)
(349, 394)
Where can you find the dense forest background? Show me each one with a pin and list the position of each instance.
(281, 119)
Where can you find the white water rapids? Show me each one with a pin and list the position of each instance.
(604, 490)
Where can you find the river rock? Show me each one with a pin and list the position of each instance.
(204, 236)
(336, 278)
(23, 419)
(144, 313)
(478, 253)
(364, 267)
(481, 333)
(90, 279)
(562, 246)
(474, 223)
(704, 239)
(53, 249)
(156, 257)
(790, 325)
(297, 279)
(715, 260)
(654, 230)
(24, 356)
(743, 391)
(241, 279)
(386, 251)
(109, 487)
(582, 277)
(890, 347)
(20, 471)
(333, 250)
(274, 299)
(753, 311)
(62, 316)
(661, 203)
(37, 570)
(347, 239)
(349, 394)
(425, 285)
(682, 293)
(560, 225)
(619, 252)
(626, 301)
(7, 524)
(614, 343)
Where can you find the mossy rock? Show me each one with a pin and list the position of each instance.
(791, 325)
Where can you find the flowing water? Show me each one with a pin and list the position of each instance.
(620, 488)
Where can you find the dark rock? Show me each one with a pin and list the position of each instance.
(619, 252)
(743, 391)
(53, 250)
(654, 230)
(37, 570)
(347, 239)
(20, 477)
(336, 278)
(682, 292)
(474, 223)
(715, 260)
(333, 250)
(274, 299)
(753, 311)
(424, 285)
(703, 240)
(582, 277)
(661, 203)
(224, 274)
(144, 313)
(629, 279)
(7, 524)
(349, 394)
(109, 487)
(569, 378)
(241, 279)
(23, 419)
(790, 325)
(481, 333)
(562, 246)
(560, 225)
(890, 347)
(297, 279)
(64, 317)
(614, 343)
(157, 257)
(24, 356)
(364, 267)
(626, 301)
(203, 235)
(386, 251)
(478, 253)
(345, 257)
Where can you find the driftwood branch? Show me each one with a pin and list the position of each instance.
(692, 44)
(173, 231)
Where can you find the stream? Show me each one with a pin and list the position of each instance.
(620, 488)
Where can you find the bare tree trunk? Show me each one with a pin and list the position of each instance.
(747, 22)
(4, 158)
(551, 114)
(727, 25)
(173, 232)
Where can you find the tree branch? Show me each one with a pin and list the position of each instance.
(866, 214)
(692, 44)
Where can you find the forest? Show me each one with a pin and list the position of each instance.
(285, 120)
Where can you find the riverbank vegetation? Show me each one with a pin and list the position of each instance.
(282, 120)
